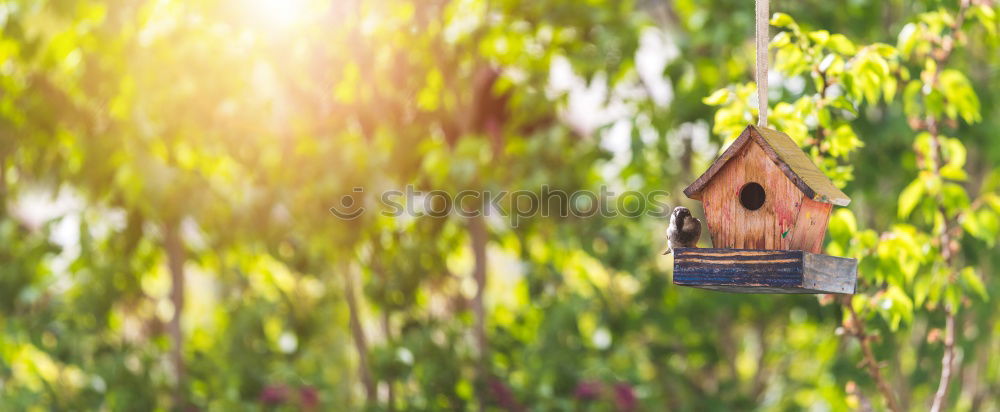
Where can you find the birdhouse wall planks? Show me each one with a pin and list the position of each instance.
(764, 194)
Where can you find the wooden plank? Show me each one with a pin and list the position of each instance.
(830, 273)
(763, 271)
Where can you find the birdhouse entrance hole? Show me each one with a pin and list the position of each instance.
(752, 196)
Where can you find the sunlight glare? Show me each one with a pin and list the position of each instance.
(279, 13)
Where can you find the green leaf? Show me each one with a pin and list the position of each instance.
(988, 17)
(841, 44)
(819, 37)
(885, 50)
(961, 98)
(955, 152)
(923, 145)
(843, 225)
(717, 98)
(953, 295)
(889, 87)
(781, 40)
(791, 60)
(843, 141)
(910, 197)
(993, 200)
(842, 103)
(934, 103)
(972, 282)
(921, 289)
(982, 224)
(897, 305)
(911, 98)
(908, 37)
(953, 173)
(991, 184)
(781, 20)
(823, 115)
(954, 197)
(429, 97)
(990, 222)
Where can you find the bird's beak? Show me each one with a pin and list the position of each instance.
(666, 252)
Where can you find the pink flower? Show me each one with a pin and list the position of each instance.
(504, 396)
(274, 394)
(309, 397)
(588, 390)
(625, 397)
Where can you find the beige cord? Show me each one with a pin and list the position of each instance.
(762, 38)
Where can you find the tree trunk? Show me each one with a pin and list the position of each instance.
(3, 185)
(478, 235)
(175, 261)
(358, 336)
(387, 330)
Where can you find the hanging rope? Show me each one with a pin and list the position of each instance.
(762, 38)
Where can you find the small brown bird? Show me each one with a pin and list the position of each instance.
(684, 230)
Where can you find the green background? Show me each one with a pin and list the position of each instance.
(167, 170)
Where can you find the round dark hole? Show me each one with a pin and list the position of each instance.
(752, 196)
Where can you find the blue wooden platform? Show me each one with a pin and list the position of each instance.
(764, 271)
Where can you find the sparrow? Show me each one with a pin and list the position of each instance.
(684, 230)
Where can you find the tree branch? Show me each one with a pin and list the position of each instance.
(477, 233)
(760, 377)
(174, 247)
(947, 362)
(857, 329)
(358, 336)
(3, 185)
(387, 330)
(948, 359)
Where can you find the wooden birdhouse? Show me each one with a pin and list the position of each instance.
(767, 207)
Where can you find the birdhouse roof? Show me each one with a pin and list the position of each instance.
(787, 156)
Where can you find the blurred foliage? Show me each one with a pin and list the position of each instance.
(159, 152)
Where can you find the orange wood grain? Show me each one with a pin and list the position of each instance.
(733, 226)
(810, 226)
